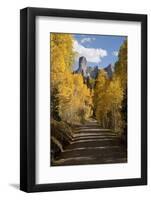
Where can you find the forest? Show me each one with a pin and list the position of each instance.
(73, 103)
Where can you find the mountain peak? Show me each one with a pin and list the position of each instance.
(110, 70)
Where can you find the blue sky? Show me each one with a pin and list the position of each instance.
(100, 50)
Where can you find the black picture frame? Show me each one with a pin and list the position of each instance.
(28, 98)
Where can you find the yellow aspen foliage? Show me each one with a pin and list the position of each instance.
(61, 56)
(121, 73)
(100, 89)
(99, 98)
(115, 92)
(121, 64)
(115, 98)
(108, 96)
(71, 100)
(75, 102)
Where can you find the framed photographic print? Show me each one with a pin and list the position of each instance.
(83, 99)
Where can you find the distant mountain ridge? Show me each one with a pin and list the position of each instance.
(89, 72)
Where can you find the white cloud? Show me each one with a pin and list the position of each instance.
(91, 54)
(115, 53)
(87, 39)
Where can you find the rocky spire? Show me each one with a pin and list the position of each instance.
(82, 66)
